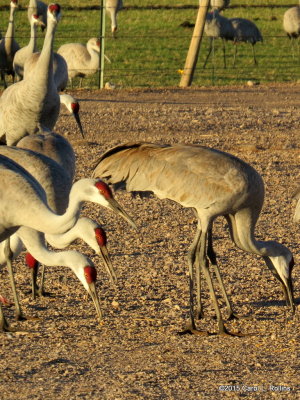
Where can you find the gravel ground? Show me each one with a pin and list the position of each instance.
(61, 351)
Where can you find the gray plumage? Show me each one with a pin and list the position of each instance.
(216, 26)
(112, 8)
(8, 46)
(25, 52)
(82, 60)
(212, 182)
(39, 8)
(245, 31)
(33, 103)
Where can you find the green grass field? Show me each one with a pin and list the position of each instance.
(151, 46)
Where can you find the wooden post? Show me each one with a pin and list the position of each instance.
(192, 56)
(102, 43)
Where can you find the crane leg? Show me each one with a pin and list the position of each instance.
(41, 290)
(235, 53)
(213, 259)
(4, 327)
(191, 262)
(254, 57)
(8, 257)
(224, 53)
(208, 54)
(205, 268)
(34, 287)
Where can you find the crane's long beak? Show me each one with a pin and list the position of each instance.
(95, 298)
(289, 293)
(115, 206)
(108, 264)
(77, 118)
(107, 59)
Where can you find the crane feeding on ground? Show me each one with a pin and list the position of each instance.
(214, 184)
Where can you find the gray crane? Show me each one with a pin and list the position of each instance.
(217, 26)
(39, 8)
(291, 23)
(73, 107)
(214, 184)
(82, 60)
(22, 54)
(245, 31)
(33, 103)
(8, 46)
(112, 8)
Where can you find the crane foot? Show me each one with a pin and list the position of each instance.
(232, 316)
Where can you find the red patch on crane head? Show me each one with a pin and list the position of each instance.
(31, 261)
(75, 107)
(35, 16)
(104, 189)
(54, 8)
(100, 236)
(98, 42)
(14, 1)
(90, 274)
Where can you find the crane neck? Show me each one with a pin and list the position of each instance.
(45, 61)
(32, 45)
(9, 36)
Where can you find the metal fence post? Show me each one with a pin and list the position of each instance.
(102, 43)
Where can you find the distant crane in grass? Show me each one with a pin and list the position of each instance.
(82, 60)
(214, 184)
(291, 23)
(8, 46)
(112, 8)
(38, 8)
(245, 31)
(217, 26)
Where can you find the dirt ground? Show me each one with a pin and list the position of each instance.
(61, 351)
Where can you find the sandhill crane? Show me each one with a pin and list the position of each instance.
(112, 8)
(39, 8)
(291, 22)
(73, 107)
(217, 26)
(8, 46)
(219, 4)
(245, 31)
(82, 60)
(23, 53)
(60, 197)
(81, 265)
(34, 101)
(215, 184)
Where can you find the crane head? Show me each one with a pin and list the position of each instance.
(281, 265)
(87, 276)
(54, 12)
(35, 20)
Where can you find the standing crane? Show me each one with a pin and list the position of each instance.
(33, 102)
(245, 31)
(112, 8)
(82, 60)
(22, 54)
(214, 184)
(8, 46)
(217, 26)
(291, 23)
(39, 8)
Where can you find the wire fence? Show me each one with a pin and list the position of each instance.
(152, 43)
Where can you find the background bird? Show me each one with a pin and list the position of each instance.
(245, 31)
(8, 46)
(22, 54)
(213, 183)
(217, 26)
(33, 102)
(291, 23)
(112, 8)
(39, 8)
(82, 60)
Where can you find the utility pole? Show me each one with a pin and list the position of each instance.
(192, 56)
